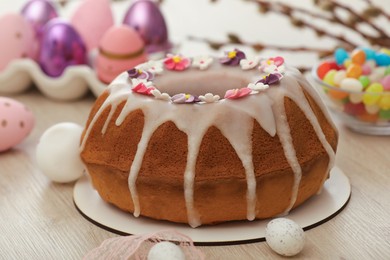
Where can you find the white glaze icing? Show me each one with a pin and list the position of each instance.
(267, 108)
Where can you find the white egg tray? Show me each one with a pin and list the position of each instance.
(74, 83)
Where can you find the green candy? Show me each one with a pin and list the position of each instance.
(387, 71)
(384, 114)
(365, 81)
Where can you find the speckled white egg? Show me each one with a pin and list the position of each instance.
(166, 250)
(16, 122)
(285, 237)
(58, 155)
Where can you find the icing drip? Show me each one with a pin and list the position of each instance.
(266, 108)
(283, 132)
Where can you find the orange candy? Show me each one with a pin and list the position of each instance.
(366, 117)
(337, 94)
(358, 57)
(354, 71)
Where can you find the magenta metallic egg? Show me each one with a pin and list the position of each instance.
(61, 47)
(146, 18)
(38, 13)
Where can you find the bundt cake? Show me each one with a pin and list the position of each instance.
(206, 140)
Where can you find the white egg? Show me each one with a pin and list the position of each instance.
(58, 155)
(166, 250)
(285, 237)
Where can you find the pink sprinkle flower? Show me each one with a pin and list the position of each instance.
(237, 93)
(176, 62)
(141, 88)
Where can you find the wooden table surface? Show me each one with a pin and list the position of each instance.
(39, 221)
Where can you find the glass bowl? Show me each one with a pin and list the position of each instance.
(362, 112)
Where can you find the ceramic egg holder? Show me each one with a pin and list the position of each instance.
(23, 67)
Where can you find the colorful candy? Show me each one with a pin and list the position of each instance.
(359, 83)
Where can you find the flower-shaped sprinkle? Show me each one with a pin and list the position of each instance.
(259, 86)
(272, 65)
(237, 93)
(270, 79)
(143, 89)
(137, 73)
(155, 67)
(232, 58)
(209, 98)
(176, 62)
(202, 62)
(158, 95)
(184, 98)
(247, 64)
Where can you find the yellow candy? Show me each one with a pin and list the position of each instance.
(329, 77)
(373, 94)
(347, 63)
(384, 102)
(385, 51)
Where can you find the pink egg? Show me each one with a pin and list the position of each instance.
(17, 38)
(92, 19)
(16, 122)
(121, 48)
(366, 69)
(386, 82)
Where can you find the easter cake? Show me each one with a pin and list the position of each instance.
(205, 140)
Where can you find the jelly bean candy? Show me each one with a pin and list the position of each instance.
(365, 81)
(384, 102)
(385, 51)
(377, 74)
(384, 114)
(347, 63)
(340, 55)
(366, 69)
(337, 94)
(372, 94)
(387, 71)
(370, 53)
(354, 71)
(372, 109)
(329, 77)
(370, 118)
(358, 57)
(355, 98)
(382, 59)
(386, 82)
(351, 84)
(339, 76)
(354, 109)
(325, 67)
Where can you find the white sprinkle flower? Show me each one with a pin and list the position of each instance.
(273, 68)
(250, 63)
(258, 86)
(209, 98)
(136, 81)
(158, 95)
(202, 62)
(155, 67)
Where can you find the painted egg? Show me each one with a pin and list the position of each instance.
(85, 22)
(16, 37)
(166, 250)
(121, 48)
(16, 122)
(285, 237)
(61, 47)
(38, 13)
(60, 165)
(146, 18)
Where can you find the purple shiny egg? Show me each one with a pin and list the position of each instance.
(146, 18)
(61, 47)
(38, 13)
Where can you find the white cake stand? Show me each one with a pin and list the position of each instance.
(314, 212)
